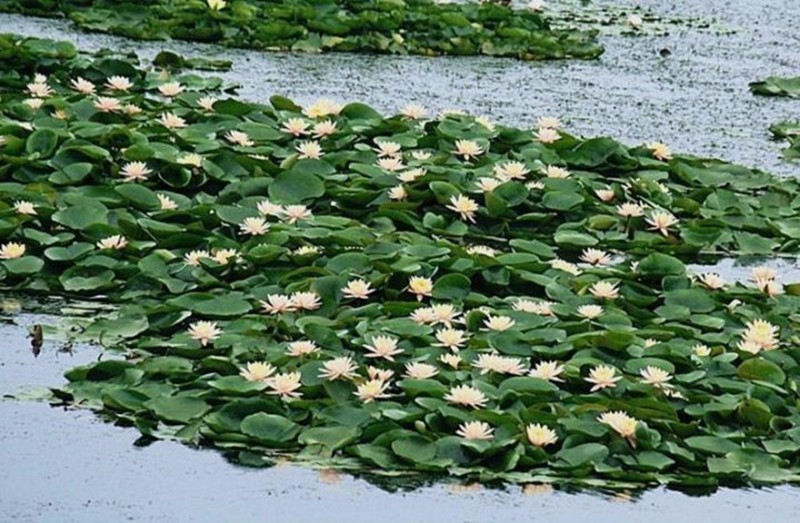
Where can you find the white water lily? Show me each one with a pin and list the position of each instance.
(374, 373)
(167, 203)
(549, 122)
(661, 221)
(494, 362)
(762, 273)
(285, 385)
(294, 213)
(39, 90)
(450, 338)
(295, 126)
(623, 424)
(486, 122)
(701, 350)
(357, 289)
(339, 368)
(25, 207)
(475, 430)
(301, 348)
(267, 208)
(630, 210)
(115, 242)
(307, 301)
(216, 5)
(563, 265)
(420, 371)
(421, 156)
(605, 195)
(118, 83)
(603, 377)
(107, 104)
(383, 347)
(760, 335)
(257, 371)
(604, 290)
(590, 311)
(465, 206)
(12, 251)
(278, 304)
(207, 103)
(553, 171)
(543, 308)
(414, 111)
(34, 103)
(712, 280)
(387, 148)
(466, 396)
(655, 376)
(254, 226)
(451, 360)
(769, 287)
(193, 159)
(510, 171)
(82, 85)
(660, 151)
(135, 171)
(498, 323)
(547, 135)
(420, 286)
(539, 435)
(486, 184)
(411, 175)
(482, 250)
(468, 149)
(239, 138)
(322, 108)
(204, 332)
(193, 258)
(372, 390)
(547, 370)
(323, 129)
(398, 193)
(391, 164)
(311, 149)
(596, 257)
(224, 256)
(172, 121)
(170, 89)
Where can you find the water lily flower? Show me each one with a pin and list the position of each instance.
(413, 111)
(323, 129)
(254, 226)
(547, 135)
(34, 103)
(216, 5)
(701, 350)
(82, 85)
(295, 126)
(278, 303)
(661, 221)
(131, 109)
(322, 108)
(563, 265)
(451, 360)
(302, 348)
(465, 206)
(257, 371)
(207, 103)
(590, 311)
(295, 213)
(39, 90)
(467, 396)
(306, 250)
(605, 195)
(357, 289)
(712, 280)
(655, 376)
(285, 385)
(193, 258)
(596, 257)
(338, 368)
(420, 286)
(172, 121)
(494, 362)
(107, 104)
(769, 287)
(135, 171)
(311, 149)
(498, 323)
(193, 159)
(486, 122)
(224, 256)
(623, 424)
(420, 371)
(534, 186)
(510, 171)
(170, 89)
(387, 148)
(239, 138)
(115, 242)
(167, 203)
(604, 290)
(421, 155)
(423, 315)
(411, 175)
(374, 373)
(118, 83)
(445, 314)
(659, 151)
(603, 377)
(383, 347)
(11, 251)
(650, 342)
(391, 164)
(759, 335)
(547, 370)
(267, 208)
(475, 430)
(482, 250)
(542, 308)
(539, 435)
(204, 332)
(453, 339)
(549, 122)
(25, 207)
(372, 390)
(308, 301)
(468, 149)
(553, 171)
(486, 184)
(630, 210)
(762, 273)
(398, 193)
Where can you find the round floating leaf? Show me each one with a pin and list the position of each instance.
(761, 370)
(295, 187)
(270, 428)
(415, 449)
(181, 409)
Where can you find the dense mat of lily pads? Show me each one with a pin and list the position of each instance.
(420, 27)
(399, 293)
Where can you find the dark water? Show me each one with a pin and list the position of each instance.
(65, 466)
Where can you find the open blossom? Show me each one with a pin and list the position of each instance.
(411, 175)
(34, 103)
(278, 303)
(762, 273)
(553, 171)
(216, 5)
(223, 256)
(167, 203)
(473, 430)
(661, 221)
(172, 121)
(82, 85)
(193, 258)
(420, 286)
(481, 250)
(655, 376)
(257, 371)
(115, 242)
(254, 226)
(306, 250)
(398, 192)
(701, 350)
(107, 105)
(547, 370)
(11, 251)
(712, 280)
(630, 210)
(413, 111)
(539, 435)
(623, 424)
(467, 396)
(547, 135)
(595, 257)
(372, 390)
(310, 149)
(306, 300)
(421, 371)
(39, 89)
(135, 171)
(543, 308)
(421, 156)
(590, 311)
(118, 83)
(357, 289)
(383, 347)
(193, 159)
(468, 149)
(660, 151)
(603, 377)
(386, 148)
(759, 335)
(486, 184)
(494, 362)
(323, 129)
(498, 323)
(510, 171)
(549, 122)
(239, 138)
(451, 360)
(295, 213)
(302, 348)
(25, 207)
(374, 373)
(391, 164)
(338, 368)
(204, 332)
(605, 195)
(604, 290)
(445, 314)
(563, 265)
(170, 89)
(453, 339)
(295, 126)
(131, 109)
(464, 206)
(285, 384)
(322, 108)
(207, 103)
(769, 287)
(267, 208)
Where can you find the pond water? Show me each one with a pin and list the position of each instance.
(65, 466)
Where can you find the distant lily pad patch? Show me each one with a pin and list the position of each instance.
(399, 294)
